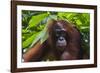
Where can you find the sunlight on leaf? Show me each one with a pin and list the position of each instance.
(37, 19)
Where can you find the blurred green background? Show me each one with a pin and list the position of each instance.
(33, 22)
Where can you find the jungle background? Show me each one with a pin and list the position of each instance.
(34, 22)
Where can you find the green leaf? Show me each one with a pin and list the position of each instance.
(42, 36)
(85, 27)
(28, 41)
(78, 22)
(37, 19)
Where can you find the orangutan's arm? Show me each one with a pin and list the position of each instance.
(33, 53)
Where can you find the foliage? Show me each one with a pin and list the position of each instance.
(34, 23)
